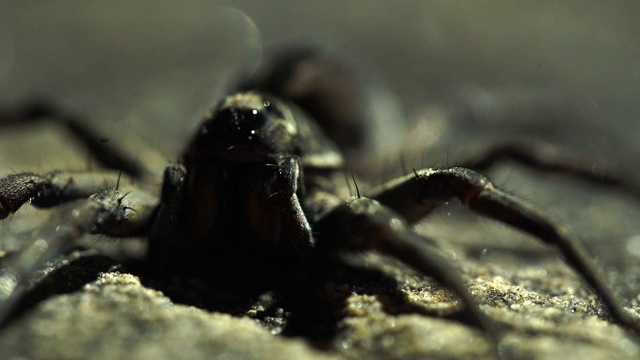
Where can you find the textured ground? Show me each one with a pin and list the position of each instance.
(467, 75)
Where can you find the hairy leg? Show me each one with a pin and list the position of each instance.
(414, 196)
(108, 153)
(549, 157)
(366, 224)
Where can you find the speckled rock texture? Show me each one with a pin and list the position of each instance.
(467, 75)
(546, 314)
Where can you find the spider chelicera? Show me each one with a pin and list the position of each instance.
(259, 192)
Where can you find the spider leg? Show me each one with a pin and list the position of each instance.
(165, 225)
(111, 212)
(106, 152)
(286, 188)
(550, 157)
(366, 223)
(290, 181)
(50, 189)
(414, 196)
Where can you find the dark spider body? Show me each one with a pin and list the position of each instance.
(242, 182)
(258, 195)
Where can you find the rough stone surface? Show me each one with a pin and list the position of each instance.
(115, 317)
(467, 75)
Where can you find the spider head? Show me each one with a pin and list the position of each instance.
(246, 128)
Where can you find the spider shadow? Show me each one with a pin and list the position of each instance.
(81, 268)
(309, 303)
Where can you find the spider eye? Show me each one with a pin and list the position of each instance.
(245, 128)
(240, 124)
(230, 127)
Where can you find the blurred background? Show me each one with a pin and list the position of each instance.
(463, 74)
(154, 67)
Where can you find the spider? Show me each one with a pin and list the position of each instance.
(259, 192)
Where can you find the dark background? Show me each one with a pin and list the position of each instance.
(132, 65)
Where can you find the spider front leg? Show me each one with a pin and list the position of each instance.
(165, 225)
(51, 189)
(110, 211)
(182, 209)
(365, 223)
(414, 196)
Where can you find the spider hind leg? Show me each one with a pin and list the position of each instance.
(365, 223)
(108, 153)
(414, 196)
(113, 212)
